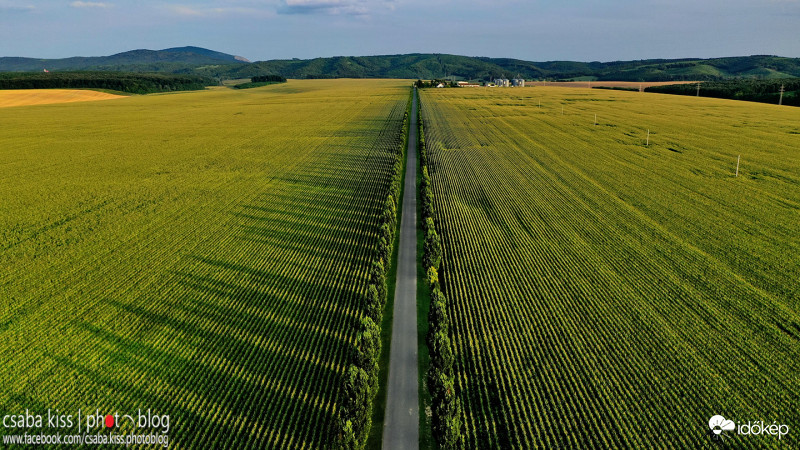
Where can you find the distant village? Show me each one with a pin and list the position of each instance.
(497, 82)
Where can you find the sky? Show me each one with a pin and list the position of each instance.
(533, 30)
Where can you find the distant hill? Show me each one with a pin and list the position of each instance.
(209, 63)
(179, 59)
(463, 67)
(426, 65)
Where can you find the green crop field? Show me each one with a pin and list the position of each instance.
(203, 255)
(602, 293)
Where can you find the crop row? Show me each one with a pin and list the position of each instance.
(446, 407)
(361, 380)
(217, 277)
(591, 301)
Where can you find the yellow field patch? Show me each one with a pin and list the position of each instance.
(22, 97)
(577, 225)
(248, 213)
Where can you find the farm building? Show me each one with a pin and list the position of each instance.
(501, 82)
(518, 82)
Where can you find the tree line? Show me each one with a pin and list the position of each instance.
(261, 80)
(763, 91)
(434, 83)
(134, 83)
(361, 378)
(440, 378)
(268, 79)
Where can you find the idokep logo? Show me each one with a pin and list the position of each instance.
(718, 424)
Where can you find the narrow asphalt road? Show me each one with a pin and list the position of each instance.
(401, 424)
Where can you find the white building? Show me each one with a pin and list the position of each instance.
(518, 82)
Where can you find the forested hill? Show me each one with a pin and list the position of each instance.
(463, 67)
(178, 59)
(208, 63)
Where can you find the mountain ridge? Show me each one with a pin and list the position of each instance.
(210, 63)
(169, 58)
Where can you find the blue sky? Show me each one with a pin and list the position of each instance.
(536, 30)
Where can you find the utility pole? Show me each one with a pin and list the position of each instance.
(595, 119)
(780, 100)
(698, 89)
(737, 164)
(648, 138)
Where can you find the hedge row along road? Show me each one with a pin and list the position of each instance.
(401, 424)
(605, 293)
(204, 255)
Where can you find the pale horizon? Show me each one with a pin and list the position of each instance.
(532, 31)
